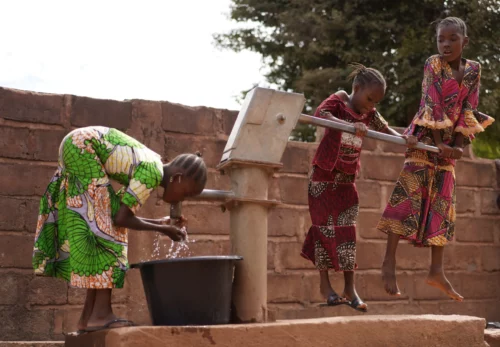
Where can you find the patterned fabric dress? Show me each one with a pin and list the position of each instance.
(422, 207)
(333, 198)
(75, 236)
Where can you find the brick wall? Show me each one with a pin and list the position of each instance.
(32, 125)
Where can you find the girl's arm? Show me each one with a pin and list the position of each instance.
(126, 218)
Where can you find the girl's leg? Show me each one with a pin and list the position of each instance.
(437, 278)
(389, 265)
(350, 290)
(102, 312)
(87, 309)
(326, 289)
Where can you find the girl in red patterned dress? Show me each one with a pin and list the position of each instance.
(333, 198)
(422, 206)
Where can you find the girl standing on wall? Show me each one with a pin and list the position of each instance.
(422, 207)
(333, 198)
(82, 235)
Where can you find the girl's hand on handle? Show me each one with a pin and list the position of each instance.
(457, 153)
(411, 141)
(445, 150)
(361, 129)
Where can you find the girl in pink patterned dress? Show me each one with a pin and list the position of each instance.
(422, 207)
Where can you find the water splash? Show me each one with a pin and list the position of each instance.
(175, 250)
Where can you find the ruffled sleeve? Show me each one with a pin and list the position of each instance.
(470, 121)
(378, 123)
(431, 114)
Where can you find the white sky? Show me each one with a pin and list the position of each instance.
(156, 50)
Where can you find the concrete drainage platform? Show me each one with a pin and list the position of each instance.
(492, 337)
(373, 331)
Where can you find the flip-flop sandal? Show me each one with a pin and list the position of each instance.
(356, 303)
(109, 324)
(335, 300)
(493, 325)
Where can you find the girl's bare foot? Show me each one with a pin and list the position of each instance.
(438, 280)
(389, 278)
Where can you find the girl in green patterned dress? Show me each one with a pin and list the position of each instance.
(81, 234)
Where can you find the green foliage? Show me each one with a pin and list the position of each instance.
(308, 44)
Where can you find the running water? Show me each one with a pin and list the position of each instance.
(176, 248)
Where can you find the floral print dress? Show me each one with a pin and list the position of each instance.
(76, 238)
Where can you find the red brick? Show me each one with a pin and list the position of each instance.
(19, 323)
(369, 194)
(211, 150)
(215, 180)
(468, 308)
(369, 255)
(228, 120)
(25, 179)
(423, 291)
(13, 288)
(206, 219)
(367, 226)
(66, 320)
(285, 287)
(284, 221)
(403, 307)
(476, 229)
(271, 255)
(370, 286)
(48, 291)
(463, 257)
(412, 258)
(466, 200)
(475, 174)
(480, 285)
(109, 113)
(489, 202)
(24, 143)
(381, 167)
(388, 147)
(297, 157)
(76, 296)
(289, 256)
(490, 258)
(31, 216)
(13, 211)
(31, 107)
(293, 190)
(16, 251)
(146, 124)
(369, 144)
(189, 120)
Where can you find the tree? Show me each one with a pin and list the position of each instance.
(307, 46)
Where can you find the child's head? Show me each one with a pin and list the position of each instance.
(368, 88)
(451, 38)
(183, 177)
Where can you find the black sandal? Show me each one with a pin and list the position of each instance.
(356, 303)
(109, 324)
(335, 300)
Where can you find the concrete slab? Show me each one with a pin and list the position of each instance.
(373, 331)
(492, 336)
(31, 343)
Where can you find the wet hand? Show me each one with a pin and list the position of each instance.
(179, 222)
(445, 150)
(457, 153)
(175, 233)
(411, 141)
(361, 129)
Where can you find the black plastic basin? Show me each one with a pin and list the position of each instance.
(189, 291)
